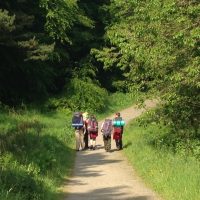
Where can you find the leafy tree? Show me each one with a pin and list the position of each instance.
(155, 46)
(33, 40)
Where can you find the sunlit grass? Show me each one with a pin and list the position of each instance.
(172, 176)
(36, 153)
(118, 101)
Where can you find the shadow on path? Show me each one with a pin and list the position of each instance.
(100, 175)
(110, 193)
(87, 161)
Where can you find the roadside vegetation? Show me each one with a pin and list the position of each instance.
(173, 172)
(35, 153)
(63, 56)
(37, 149)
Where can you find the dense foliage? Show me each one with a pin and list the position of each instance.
(155, 45)
(72, 53)
(75, 97)
(36, 40)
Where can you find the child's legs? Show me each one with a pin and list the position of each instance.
(77, 136)
(94, 142)
(120, 143)
(109, 143)
(91, 142)
(82, 139)
(86, 139)
(105, 142)
(92, 139)
(117, 143)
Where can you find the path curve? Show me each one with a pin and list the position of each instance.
(100, 175)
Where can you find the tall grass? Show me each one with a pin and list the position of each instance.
(36, 153)
(173, 176)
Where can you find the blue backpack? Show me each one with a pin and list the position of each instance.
(77, 120)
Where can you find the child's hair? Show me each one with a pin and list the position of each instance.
(118, 114)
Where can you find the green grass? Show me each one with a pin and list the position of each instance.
(36, 153)
(119, 101)
(37, 149)
(172, 176)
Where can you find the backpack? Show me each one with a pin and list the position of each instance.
(118, 124)
(118, 130)
(77, 120)
(92, 125)
(107, 127)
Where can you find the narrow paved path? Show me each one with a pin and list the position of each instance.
(100, 175)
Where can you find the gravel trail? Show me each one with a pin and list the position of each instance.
(100, 175)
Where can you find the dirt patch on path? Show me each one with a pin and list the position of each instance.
(100, 175)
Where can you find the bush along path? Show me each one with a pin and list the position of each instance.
(107, 175)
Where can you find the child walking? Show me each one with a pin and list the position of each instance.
(92, 131)
(106, 129)
(118, 124)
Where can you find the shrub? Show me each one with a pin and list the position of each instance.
(81, 95)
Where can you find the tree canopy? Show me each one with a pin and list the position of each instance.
(155, 46)
(45, 46)
(34, 46)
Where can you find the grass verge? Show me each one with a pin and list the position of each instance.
(172, 176)
(36, 152)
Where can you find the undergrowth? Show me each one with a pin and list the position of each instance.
(35, 153)
(174, 175)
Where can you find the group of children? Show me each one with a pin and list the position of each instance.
(86, 131)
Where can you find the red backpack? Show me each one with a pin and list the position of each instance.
(92, 125)
(118, 129)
